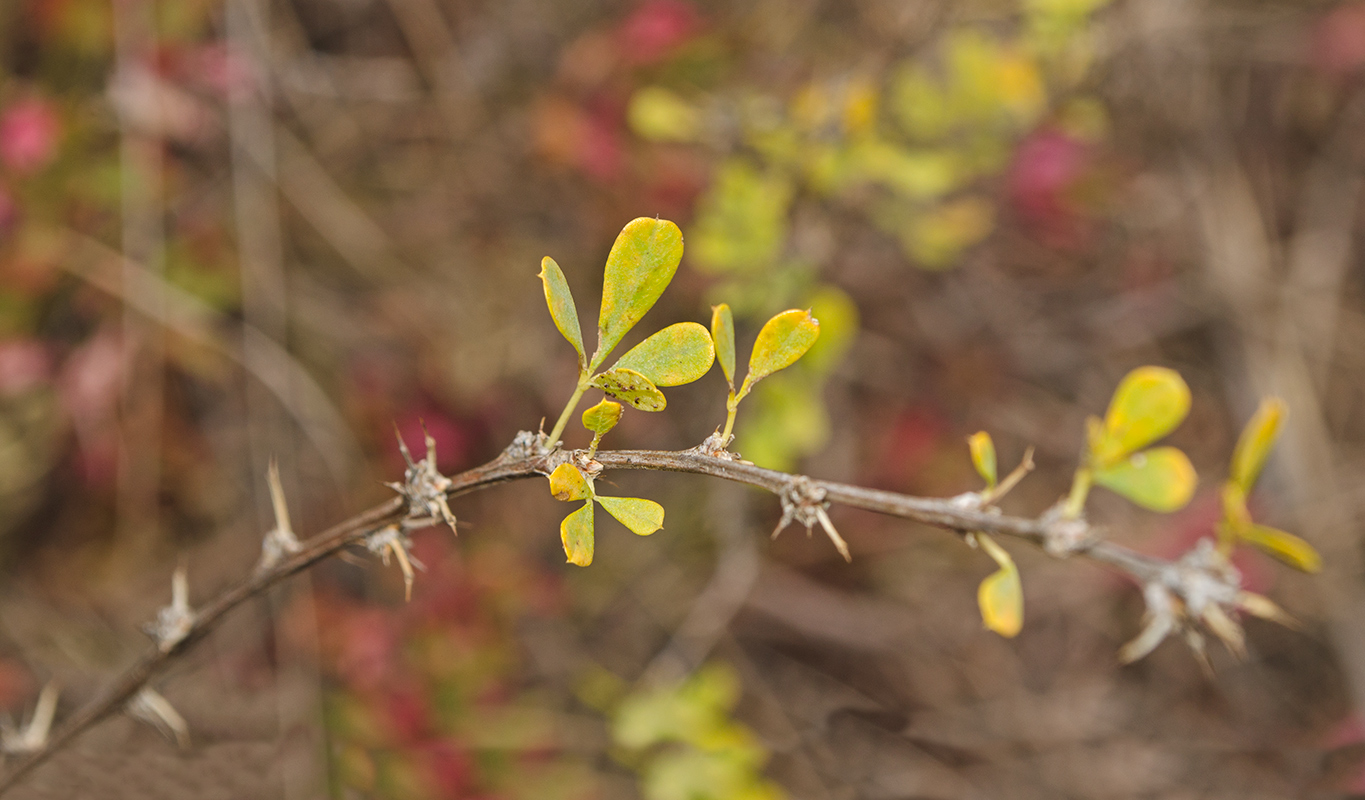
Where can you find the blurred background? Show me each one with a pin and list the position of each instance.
(238, 229)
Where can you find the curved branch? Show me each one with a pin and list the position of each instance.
(1059, 536)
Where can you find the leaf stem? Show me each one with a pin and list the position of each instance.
(584, 379)
(731, 406)
(1080, 488)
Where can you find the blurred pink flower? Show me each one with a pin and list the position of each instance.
(656, 29)
(24, 363)
(1047, 167)
(1337, 43)
(88, 386)
(28, 135)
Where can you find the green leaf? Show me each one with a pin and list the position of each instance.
(560, 301)
(632, 387)
(576, 533)
(643, 517)
(983, 456)
(1160, 479)
(723, 335)
(567, 483)
(1283, 545)
(1001, 595)
(678, 354)
(602, 417)
(639, 268)
(1253, 446)
(1148, 404)
(782, 340)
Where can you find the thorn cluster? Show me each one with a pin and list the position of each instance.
(175, 621)
(804, 502)
(280, 541)
(33, 736)
(1202, 592)
(424, 487)
(150, 707)
(392, 541)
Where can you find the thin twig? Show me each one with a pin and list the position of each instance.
(520, 461)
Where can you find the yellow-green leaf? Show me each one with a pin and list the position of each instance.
(560, 301)
(782, 340)
(678, 354)
(1001, 595)
(1253, 446)
(577, 534)
(639, 268)
(723, 334)
(632, 387)
(643, 517)
(661, 115)
(1148, 404)
(1283, 545)
(567, 483)
(1161, 479)
(838, 316)
(602, 417)
(983, 456)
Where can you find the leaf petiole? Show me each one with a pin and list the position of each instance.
(584, 381)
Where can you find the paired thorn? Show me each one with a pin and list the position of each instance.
(804, 502)
(150, 707)
(280, 541)
(175, 621)
(33, 736)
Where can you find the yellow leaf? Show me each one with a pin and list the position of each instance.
(1001, 595)
(640, 266)
(560, 301)
(678, 354)
(602, 417)
(1283, 545)
(1148, 404)
(983, 456)
(782, 340)
(632, 387)
(567, 483)
(576, 531)
(723, 335)
(643, 517)
(1253, 446)
(1161, 479)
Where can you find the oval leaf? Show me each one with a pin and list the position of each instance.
(1001, 595)
(676, 355)
(560, 301)
(639, 268)
(1283, 545)
(1253, 446)
(567, 483)
(602, 417)
(576, 533)
(983, 456)
(643, 517)
(1148, 404)
(1160, 479)
(723, 334)
(782, 340)
(632, 387)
